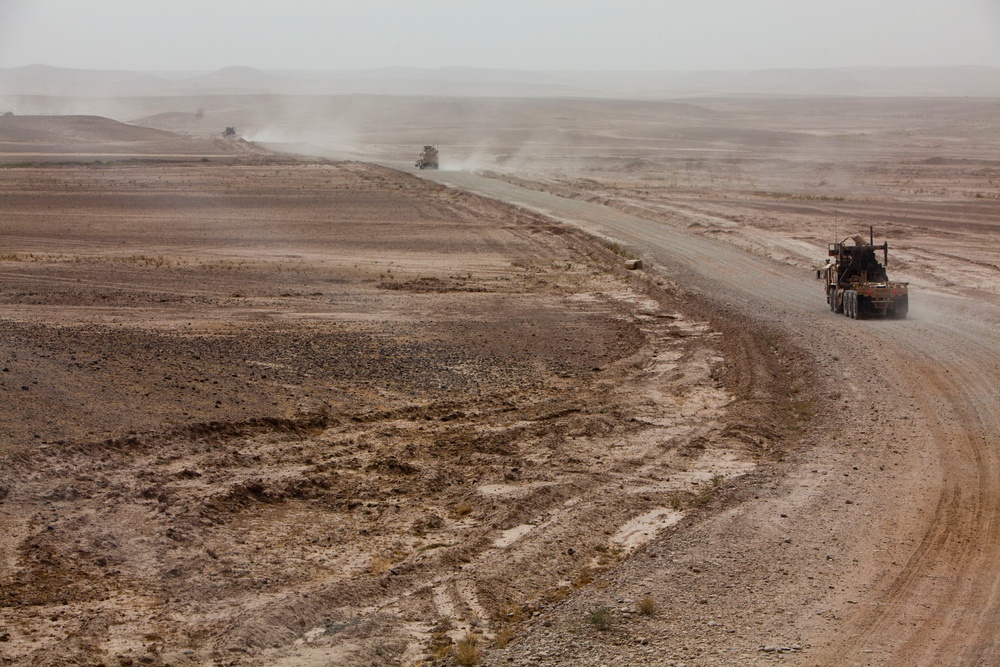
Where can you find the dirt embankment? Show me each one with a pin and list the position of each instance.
(27, 139)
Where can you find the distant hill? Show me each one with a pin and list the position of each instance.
(471, 82)
(237, 79)
(860, 82)
(45, 80)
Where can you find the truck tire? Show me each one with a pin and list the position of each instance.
(901, 307)
(850, 304)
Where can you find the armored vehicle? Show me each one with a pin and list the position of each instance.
(857, 284)
(428, 158)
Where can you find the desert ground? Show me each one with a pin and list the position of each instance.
(285, 400)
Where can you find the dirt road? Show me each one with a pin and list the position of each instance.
(916, 408)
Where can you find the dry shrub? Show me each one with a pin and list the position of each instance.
(648, 607)
(467, 651)
(513, 613)
(559, 594)
(462, 509)
(504, 636)
(584, 576)
(601, 619)
(379, 564)
(676, 502)
(440, 651)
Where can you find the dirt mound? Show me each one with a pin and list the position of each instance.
(95, 136)
(76, 129)
(189, 122)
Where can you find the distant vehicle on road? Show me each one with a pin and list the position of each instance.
(428, 158)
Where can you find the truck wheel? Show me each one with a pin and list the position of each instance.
(902, 306)
(851, 304)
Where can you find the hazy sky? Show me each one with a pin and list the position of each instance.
(518, 34)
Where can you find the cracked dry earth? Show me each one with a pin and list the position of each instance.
(292, 412)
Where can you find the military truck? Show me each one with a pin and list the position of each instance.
(857, 285)
(428, 158)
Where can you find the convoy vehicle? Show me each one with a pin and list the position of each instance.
(428, 158)
(857, 285)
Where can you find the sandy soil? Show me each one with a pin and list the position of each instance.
(276, 410)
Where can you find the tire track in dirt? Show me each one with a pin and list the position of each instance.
(940, 606)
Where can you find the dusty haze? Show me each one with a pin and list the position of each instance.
(584, 35)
